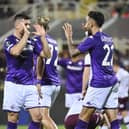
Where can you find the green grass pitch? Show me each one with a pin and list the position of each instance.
(25, 127)
(59, 127)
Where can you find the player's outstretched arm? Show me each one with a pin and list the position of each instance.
(40, 68)
(39, 74)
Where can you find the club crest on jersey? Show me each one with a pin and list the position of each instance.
(8, 43)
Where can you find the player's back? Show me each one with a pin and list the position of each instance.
(101, 60)
(50, 72)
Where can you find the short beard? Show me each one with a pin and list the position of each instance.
(22, 33)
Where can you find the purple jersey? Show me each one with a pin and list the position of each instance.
(20, 68)
(100, 47)
(74, 71)
(50, 76)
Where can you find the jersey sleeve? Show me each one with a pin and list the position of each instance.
(87, 60)
(37, 46)
(8, 44)
(87, 44)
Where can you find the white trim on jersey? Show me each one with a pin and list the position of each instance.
(87, 60)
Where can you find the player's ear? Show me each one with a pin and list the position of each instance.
(92, 23)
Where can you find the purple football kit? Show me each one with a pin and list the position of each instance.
(50, 76)
(50, 82)
(19, 87)
(20, 68)
(73, 71)
(73, 86)
(100, 47)
(103, 88)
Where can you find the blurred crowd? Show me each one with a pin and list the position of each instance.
(120, 7)
(2, 66)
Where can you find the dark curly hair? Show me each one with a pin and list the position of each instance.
(97, 16)
(21, 16)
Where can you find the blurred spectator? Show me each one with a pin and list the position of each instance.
(126, 60)
(125, 11)
(5, 11)
(2, 66)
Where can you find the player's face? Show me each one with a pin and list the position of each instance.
(88, 25)
(27, 23)
(20, 24)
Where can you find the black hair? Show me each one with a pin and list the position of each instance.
(97, 16)
(21, 16)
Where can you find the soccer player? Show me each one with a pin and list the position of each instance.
(71, 117)
(73, 69)
(123, 78)
(103, 90)
(49, 81)
(19, 90)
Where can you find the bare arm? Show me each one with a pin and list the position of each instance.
(46, 50)
(85, 79)
(39, 73)
(41, 32)
(39, 68)
(68, 34)
(17, 49)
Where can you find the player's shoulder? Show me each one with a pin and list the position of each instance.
(105, 37)
(65, 59)
(9, 38)
(91, 37)
(51, 40)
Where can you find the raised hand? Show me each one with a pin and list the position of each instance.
(26, 30)
(26, 26)
(39, 30)
(68, 31)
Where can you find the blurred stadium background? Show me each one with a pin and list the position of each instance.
(59, 11)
